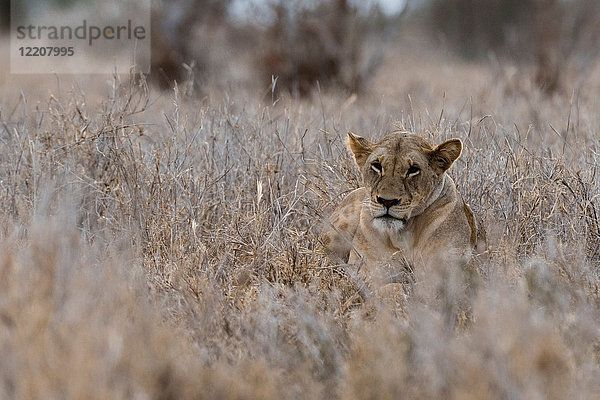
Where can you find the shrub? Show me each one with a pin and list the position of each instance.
(322, 41)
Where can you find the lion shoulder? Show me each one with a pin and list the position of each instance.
(340, 228)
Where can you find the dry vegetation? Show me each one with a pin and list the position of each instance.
(156, 245)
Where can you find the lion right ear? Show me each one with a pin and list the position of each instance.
(360, 147)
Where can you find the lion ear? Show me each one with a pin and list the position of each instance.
(360, 147)
(443, 155)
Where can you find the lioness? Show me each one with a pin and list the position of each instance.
(408, 213)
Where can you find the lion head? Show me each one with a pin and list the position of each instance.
(401, 174)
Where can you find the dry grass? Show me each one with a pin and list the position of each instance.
(159, 246)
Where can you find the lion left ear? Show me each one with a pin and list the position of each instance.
(443, 155)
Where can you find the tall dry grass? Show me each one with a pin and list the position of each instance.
(156, 245)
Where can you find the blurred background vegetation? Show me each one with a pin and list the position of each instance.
(340, 43)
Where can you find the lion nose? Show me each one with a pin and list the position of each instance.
(387, 202)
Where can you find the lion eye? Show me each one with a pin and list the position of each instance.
(413, 170)
(376, 166)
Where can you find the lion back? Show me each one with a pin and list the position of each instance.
(478, 238)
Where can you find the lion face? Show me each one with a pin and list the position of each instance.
(401, 174)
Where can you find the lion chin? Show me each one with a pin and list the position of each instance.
(388, 224)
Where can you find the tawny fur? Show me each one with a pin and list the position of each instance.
(408, 212)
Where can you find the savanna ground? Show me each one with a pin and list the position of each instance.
(157, 244)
